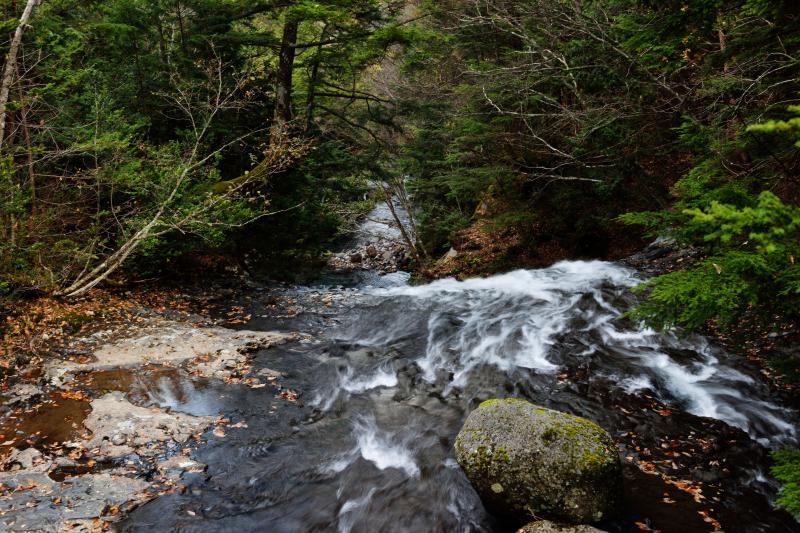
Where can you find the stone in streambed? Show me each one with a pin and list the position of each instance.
(527, 461)
(545, 526)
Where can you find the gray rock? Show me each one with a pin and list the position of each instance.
(545, 526)
(29, 506)
(176, 466)
(65, 462)
(526, 461)
(27, 458)
(117, 426)
(172, 342)
(23, 392)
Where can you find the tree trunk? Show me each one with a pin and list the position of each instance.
(181, 28)
(162, 46)
(312, 83)
(412, 246)
(283, 84)
(11, 66)
(23, 112)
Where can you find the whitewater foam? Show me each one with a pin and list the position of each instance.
(382, 449)
(519, 320)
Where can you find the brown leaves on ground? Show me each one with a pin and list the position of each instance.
(74, 395)
(480, 246)
(694, 489)
(288, 394)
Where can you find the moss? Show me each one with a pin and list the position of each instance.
(74, 321)
(590, 459)
(485, 456)
(494, 401)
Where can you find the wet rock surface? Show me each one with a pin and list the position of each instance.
(111, 432)
(389, 372)
(32, 501)
(663, 256)
(120, 428)
(215, 351)
(526, 461)
(381, 257)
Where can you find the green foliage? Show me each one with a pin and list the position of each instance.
(770, 227)
(791, 125)
(739, 151)
(754, 265)
(787, 470)
(526, 113)
(115, 94)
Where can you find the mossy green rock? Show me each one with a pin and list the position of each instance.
(526, 461)
(545, 526)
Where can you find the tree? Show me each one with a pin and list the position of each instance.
(185, 202)
(10, 68)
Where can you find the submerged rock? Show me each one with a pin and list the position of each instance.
(527, 461)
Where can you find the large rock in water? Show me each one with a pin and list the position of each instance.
(545, 526)
(527, 461)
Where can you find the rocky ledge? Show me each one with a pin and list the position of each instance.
(112, 455)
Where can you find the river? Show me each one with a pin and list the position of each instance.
(386, 372)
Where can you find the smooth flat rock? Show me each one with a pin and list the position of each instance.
(33, 502)
(118, 427)
(172, 343)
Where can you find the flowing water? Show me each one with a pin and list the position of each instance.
(387, 372)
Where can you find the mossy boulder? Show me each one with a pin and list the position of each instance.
(545, 526)
(527, 462)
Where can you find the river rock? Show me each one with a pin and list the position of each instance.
(119, 428)
(527, 461)
(546, 526)
(26, 459)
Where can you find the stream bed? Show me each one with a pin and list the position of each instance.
(386, 372)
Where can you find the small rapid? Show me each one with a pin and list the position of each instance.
(544, 320)
(387, 372)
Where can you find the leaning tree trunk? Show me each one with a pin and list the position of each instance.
(11, 66)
